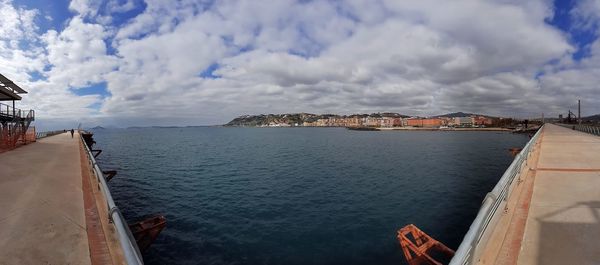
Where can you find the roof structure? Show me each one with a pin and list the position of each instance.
(9, 90)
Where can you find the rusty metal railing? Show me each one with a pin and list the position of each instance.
(490, 211)
(10, 112)
(126, 240)
(15, 127)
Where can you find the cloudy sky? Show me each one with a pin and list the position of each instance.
(155, 62)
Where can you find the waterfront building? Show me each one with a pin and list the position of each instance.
(463, 121)
(280, 124)
(451, 122)
(363, 121)
(397, 122)
(353, 121)
(447, 121)
(322, 122)
(341, 122)
(425, 122)
(480, 120)
(372, 122)
(386, 122)
(332, 121)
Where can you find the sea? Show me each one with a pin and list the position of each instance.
(300, 195)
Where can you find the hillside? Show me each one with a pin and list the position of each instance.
(592, 118)
(298, 118)
(461, 114)
(265, 119)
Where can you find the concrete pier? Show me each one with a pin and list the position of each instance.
(553, 215)
(41, 200)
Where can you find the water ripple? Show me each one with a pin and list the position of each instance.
(299, 196)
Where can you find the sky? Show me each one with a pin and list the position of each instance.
(138, 63)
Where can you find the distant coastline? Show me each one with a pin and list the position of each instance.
(486, 129)
(386, 121)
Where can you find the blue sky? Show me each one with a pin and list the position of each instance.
(564, 20)
(132, 62)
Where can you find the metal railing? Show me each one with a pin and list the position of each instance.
(10, 112)
(40, 135)
(126, 240)
(595, 130)
(491, 209)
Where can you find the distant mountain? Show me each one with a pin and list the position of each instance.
(461, 114)
(592, 118)
(390, 114)
(97, 128)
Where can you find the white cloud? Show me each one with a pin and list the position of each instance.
(114, 6)
(77, 55)
(85, 7)
(17, 30)
(62, 60)
(586, 14)
(318, 56)
(351, 57)
(17, 23)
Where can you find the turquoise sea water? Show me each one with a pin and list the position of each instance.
(299, 195)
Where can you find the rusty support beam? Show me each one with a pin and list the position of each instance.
(109, 174)
(96, 153)
(418, 247)
(515, 151)
(146, 231)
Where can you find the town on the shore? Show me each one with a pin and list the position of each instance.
(375, 120)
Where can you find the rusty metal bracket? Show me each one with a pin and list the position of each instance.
(109, 174)
(515, 151)
(96, 152)
(147, 230)
(110, 213)
(490, 195)
(419, 247)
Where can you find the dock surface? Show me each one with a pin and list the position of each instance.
(553, 216)
(563, 224)
(41, 200)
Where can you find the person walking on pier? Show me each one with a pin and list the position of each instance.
(72, 132)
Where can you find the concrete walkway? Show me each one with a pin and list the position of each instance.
(563, 223)
(41, 201)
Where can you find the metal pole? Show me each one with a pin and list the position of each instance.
(579, 110)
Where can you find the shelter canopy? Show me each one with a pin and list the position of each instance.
(9, 90)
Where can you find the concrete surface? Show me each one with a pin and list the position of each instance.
(563, 224)
(41, 201)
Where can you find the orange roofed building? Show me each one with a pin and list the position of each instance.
(429, 123)
(479, 120)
